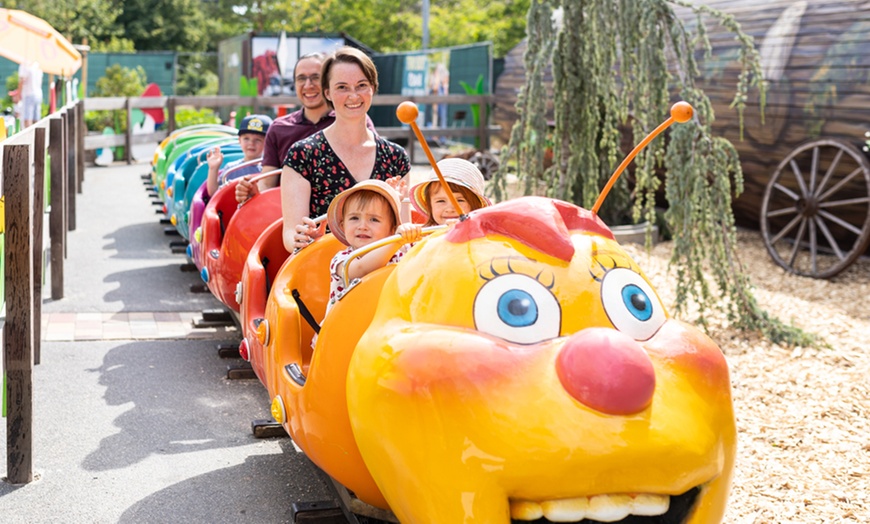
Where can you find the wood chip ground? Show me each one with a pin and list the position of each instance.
(803, 413)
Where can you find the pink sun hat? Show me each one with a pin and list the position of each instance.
(456, 170)
(335, 213)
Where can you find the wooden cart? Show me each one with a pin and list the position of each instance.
(815, 213)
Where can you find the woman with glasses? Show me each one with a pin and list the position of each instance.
(346, 152)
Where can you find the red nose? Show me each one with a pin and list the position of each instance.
(607, 371)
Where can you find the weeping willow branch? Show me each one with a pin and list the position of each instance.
(616, 65)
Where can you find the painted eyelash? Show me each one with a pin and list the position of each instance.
(490, 272)
(600, 267)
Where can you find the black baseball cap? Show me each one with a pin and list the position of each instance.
(255, 124)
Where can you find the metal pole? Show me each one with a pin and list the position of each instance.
(425, 24)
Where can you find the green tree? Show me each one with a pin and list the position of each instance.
(118, 81)
(654, 56)
(395, 25)
(502, 23)
(121, 81)
(113, 45)
(161, 25)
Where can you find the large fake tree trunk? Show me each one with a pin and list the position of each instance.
(617, 67)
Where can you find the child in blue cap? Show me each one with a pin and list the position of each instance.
(252, 138)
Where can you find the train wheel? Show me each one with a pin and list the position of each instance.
(815, 215)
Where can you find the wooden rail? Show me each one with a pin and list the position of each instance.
(482, 131)
(57, 137)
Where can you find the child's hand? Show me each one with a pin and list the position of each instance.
(214, 158)
(410, 232)
(400, 185)
(307, 231)
(245, 189)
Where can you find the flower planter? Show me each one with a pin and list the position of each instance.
(634, 233)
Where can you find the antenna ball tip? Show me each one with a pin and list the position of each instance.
(407, 112)
(682, 112)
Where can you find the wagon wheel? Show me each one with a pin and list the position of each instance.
(815, 216)
(486, 162)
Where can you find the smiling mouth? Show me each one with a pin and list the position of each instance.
(640, 508)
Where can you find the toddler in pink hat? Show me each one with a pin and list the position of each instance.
(365, 213)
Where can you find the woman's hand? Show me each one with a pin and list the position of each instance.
(245, 189)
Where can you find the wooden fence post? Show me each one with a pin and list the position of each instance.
(56, 223)
(79, 146)
(38, 222)
(128, 135)
(72, 180)
(19, 315)
(482, 124)
(171, 114)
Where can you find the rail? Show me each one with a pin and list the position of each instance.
(57, 141)
(482, 131)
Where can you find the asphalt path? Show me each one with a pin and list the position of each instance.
(147, 431)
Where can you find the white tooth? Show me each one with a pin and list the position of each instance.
(565, 510)
(526, 510)
(609, 508)
(649, 505)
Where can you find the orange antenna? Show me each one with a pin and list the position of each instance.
(407, 114)
(680, 112)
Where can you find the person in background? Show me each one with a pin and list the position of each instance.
(285, 131)
(252, 135)
(30, 90)
(328, 162)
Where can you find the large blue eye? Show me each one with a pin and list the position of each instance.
(637, 302)
(517, 308)
(631, 304)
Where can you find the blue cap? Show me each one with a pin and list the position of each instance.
(255, 124)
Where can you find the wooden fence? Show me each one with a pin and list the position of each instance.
(482, 131)
(58, 139)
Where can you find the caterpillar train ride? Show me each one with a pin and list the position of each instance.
(516, 366)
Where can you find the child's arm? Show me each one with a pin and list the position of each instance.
(214, 159)
(362, 266)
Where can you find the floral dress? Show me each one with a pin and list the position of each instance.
(315, 160)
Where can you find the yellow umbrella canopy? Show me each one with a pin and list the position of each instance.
(25, 38)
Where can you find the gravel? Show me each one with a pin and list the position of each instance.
(803, 413)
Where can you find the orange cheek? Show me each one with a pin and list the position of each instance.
(688, 348)
(453, 360)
